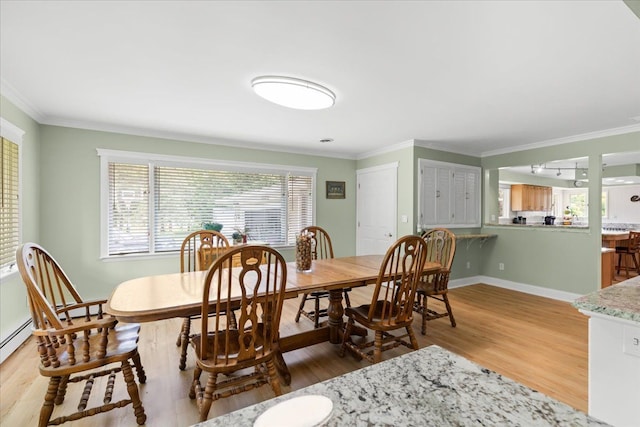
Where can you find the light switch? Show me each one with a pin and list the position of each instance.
(404, 218)
(631, 340)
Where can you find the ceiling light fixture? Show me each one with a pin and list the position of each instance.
(578, 171)
(293, 93)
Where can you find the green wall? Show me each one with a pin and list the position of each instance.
(13, 296)
(559, 259)
(71, 228)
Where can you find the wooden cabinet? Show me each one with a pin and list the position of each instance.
(525, 197)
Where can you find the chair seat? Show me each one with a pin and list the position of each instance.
(361, 314)
(122, 345)
(626, 250)
(232, 339)
(426, 287)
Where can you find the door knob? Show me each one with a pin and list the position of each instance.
(389, 235)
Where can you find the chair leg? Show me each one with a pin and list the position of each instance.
(62, 390)
(274, 379)
(316, 315)
(304, 300)
(49, 397)
(233, 322)
(207, 399)
(619, 262)
(445, 298)
(346, 336)
(132, 389)
(412, 338)
(347, 301)
(196, 377)
(184, 343)
(425, 315)
(142, 376)
(377, 347)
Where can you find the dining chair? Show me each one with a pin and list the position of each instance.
(628, 254)
(77, 342)
(198, 251)
(441, 248)
(321, 248)
(391, 306)
(257, 288)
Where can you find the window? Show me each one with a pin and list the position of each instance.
(150, 203)
(504, 201)
(10, 226)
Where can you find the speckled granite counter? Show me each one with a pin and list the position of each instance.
(621, 300)
(431, 386)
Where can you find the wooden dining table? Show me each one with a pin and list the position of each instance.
(167, 296)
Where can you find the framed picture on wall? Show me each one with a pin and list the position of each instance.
(335, 190)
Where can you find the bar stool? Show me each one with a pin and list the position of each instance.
(630, 250)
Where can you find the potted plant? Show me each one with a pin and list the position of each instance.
(212, 225)
(240, 236)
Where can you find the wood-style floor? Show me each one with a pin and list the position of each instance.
(536, 341)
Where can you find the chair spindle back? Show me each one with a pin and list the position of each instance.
(256, 293)
(400, 272)
(200, 249)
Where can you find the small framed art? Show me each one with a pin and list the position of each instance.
(335, 190)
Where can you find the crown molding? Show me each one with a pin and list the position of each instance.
(565, 140)
(440, 147)
(388, 149)
(20, 101)
(201, 139)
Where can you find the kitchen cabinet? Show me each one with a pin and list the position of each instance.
(525, 197)
(449, 195)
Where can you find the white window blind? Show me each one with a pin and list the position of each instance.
(128, 208)
(270, 205)
(10, 209)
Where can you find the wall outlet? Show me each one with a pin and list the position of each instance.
(468, 265)
(493, 218)
(631, 340)
(501, 266)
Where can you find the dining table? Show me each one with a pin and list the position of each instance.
(167, 296)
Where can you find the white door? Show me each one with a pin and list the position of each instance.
(377, 206)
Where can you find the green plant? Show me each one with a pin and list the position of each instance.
(212, 225)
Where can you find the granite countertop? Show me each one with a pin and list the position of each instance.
(431, 386)
(621, 300)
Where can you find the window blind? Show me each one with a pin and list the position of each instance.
(10, 209)
(128, 216)
(270, 206)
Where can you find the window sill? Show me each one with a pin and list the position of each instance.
(9, 274)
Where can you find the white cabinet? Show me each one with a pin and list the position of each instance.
(448, 195)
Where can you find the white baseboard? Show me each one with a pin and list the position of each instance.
(15, 340)
(515, 286)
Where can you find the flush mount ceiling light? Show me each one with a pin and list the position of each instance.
(293, 93)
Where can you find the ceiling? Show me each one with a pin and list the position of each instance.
(480, 78)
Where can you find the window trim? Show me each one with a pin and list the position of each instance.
(109, 156)
(14, 134)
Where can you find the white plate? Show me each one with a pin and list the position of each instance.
(302, 411)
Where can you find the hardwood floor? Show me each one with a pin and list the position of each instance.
(536, 341)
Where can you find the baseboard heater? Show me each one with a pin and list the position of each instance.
(15, 340)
